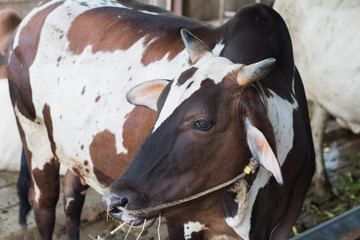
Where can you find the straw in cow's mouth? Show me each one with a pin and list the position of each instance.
(121, 226)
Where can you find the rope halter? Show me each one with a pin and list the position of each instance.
(250, 168)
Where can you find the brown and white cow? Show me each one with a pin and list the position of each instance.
(73, 63)
(211, 121)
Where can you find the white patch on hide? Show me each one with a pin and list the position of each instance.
(283, 126)
(37, 142)
(218, 48)
(68, 201)
(209, 67)
(193, 227)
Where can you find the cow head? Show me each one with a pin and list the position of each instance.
(211, 121)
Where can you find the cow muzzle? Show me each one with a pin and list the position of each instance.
(117, 207)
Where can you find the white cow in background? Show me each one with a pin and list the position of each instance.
(326, 41)
(10, 144)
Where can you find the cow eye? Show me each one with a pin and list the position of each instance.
(202, 125)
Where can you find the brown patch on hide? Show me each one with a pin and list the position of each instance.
(108, 164)
(49, 128)
(137, 127)
(109, 29)
(186, 75)
(231, 78)
(76, 172)
(47, 180)
(158, 48)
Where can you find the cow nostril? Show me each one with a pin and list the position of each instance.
(115, 210)
(123, 202)
(117, 203)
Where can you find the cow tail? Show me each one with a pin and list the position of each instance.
(23, 187)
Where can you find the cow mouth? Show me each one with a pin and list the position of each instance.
(136, 221)
(118, 210)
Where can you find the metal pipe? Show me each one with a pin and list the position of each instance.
(221, 11)
(168, 5)
(345, 227)
(178, 7)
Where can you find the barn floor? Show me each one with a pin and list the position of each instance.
(9, 205)
(340, 144)
(94, 222)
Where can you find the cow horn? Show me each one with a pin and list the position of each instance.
(256, 71)
(195, 47)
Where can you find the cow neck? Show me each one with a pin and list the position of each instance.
(250, 168)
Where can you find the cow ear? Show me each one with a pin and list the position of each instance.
(262, 151)
(146, 94)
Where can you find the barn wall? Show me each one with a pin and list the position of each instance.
(200, 9)
(21, 6)
(209, 9)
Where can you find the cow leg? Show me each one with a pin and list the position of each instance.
(43, 195)
(320, 183)
(23, 188)
(74, 197)
(44, 171)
